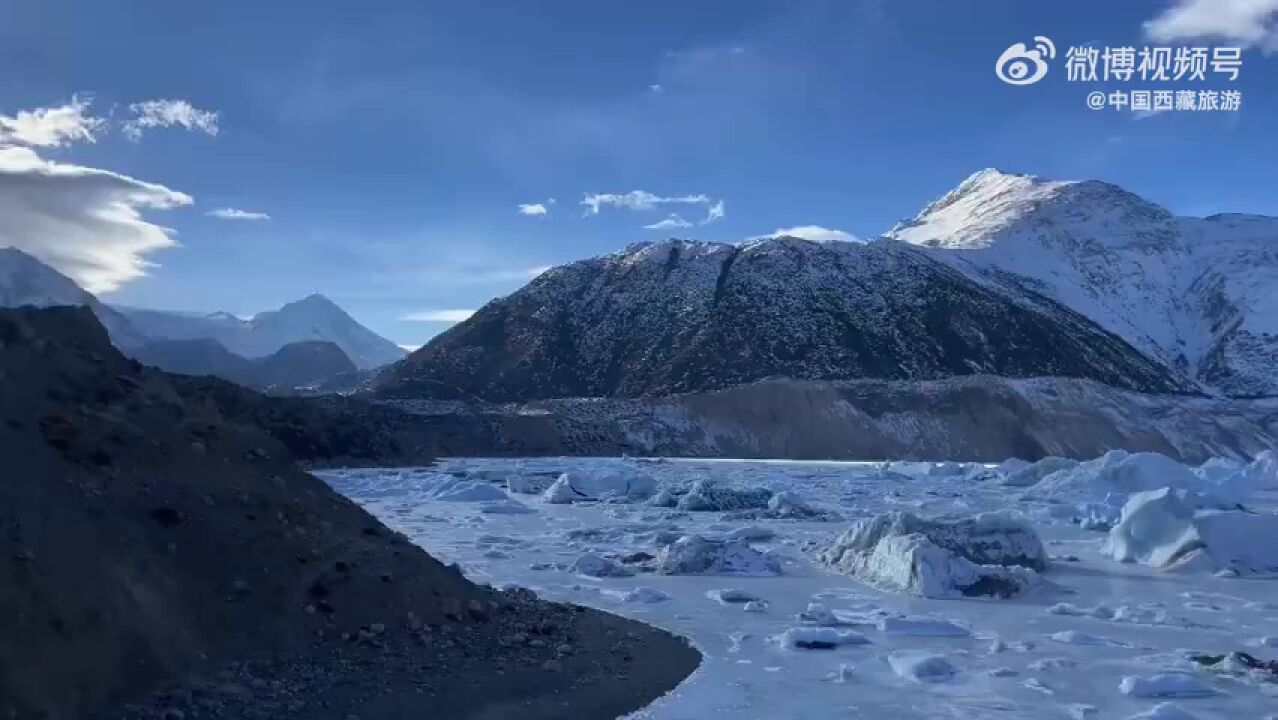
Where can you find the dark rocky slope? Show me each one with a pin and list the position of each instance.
(154, 535)
(677, 317)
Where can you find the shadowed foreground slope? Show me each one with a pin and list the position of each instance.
(151, 539)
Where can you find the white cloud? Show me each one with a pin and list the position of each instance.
(537, 209)
(673, 221)
(1247, 22)
(168, 113)
(638, 200)
(233, 214)
(715, 212)
(815, 233)
(83, 221)
(448, 316)
(409, 348)
(51, 126)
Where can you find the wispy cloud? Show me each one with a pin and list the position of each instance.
(716, 212)
(151, 114)
(814, 233)
(52, 126)
(669, 223)
(1249, 23)
(642, 200)
(638, 200)
(234, 214)
(537, 209)
(445, 316)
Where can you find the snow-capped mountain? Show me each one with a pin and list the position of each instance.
(675, 316)
(312, 318)
(1199, 294)
(24, 280)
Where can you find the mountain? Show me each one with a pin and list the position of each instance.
(1198, 294)
(296, 365)
(675, 316)
(25, 281)
(200, 356)
(312, 318)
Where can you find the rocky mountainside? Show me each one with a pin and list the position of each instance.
(165, 557)
(312, 318)
(296, 365)
(673, 317)
(1198, 294)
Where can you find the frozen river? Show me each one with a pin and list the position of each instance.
(1060, 651)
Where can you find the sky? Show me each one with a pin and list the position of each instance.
(412, 160)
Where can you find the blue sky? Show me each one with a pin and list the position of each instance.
(392, 148)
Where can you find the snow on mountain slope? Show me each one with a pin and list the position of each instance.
(1195, 293)
(24, 280)
(312, 318)
(675, 316)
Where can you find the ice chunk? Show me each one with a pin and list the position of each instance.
(593, 565)
(819, 638)
(789, 505)
(706, 495)
(1011, 465)
(926, 469)
(560, 492)
(697, 555)
(922, 667)
(1032, 474)
(1165, 685)
(505, 507)
(1263, 471)
(617, 481)
(663, 499)
(731, 596)
(1117, 473)
(989, 554)
(528, 484)
(755, 606)
(1183, 530)
(751, 533)
(645, 595)
(819, 614)
(921, 627)
(1164, 711)
(450, 489)
(1074, 637)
